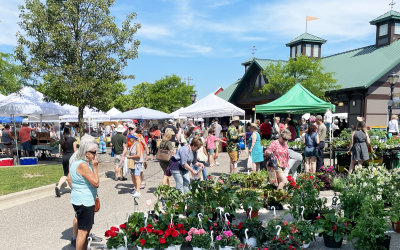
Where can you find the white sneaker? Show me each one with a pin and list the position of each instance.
(217, 163)
(136, 194)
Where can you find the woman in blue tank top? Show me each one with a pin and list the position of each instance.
(85, 181)
(311, 140)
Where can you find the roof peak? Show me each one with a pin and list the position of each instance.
(306, 37)
(392, 14)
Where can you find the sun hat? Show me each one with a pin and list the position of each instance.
(131, 125)
(235, 118)
(112, 125)
(171, 121)
(25, 122)
(120, 129)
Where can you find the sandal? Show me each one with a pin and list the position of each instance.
(142, 186)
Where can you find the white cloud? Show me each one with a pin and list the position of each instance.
(153, 31)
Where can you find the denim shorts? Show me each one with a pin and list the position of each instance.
(210, 151)
(26, 145)
(138, 169)
(310, 152)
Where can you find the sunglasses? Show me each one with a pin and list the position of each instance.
(92, 152)
(284, 138)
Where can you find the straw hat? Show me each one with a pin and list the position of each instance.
(120, 129)
(1, 126)
(235, 118)
(253, 125)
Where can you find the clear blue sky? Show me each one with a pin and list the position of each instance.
(209, 39)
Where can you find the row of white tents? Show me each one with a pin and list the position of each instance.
(29, 102)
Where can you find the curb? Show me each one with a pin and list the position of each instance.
(22, 197)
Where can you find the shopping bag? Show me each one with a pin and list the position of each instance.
(250, 162)
(272, 176)
(112, 152)
(241, 144)
(125, 169)
(201, 156)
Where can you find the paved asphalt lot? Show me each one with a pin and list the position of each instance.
(46, 222)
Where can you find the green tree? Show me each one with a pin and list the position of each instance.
(77, 49)
(166, 95)
(11, 77)
(309, 72)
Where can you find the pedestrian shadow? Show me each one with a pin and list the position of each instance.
(67, 234)
(68, 247)
(151, 190)
(124, 188)
(110, 174)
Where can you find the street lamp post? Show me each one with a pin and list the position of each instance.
(392, 79)
(193, 97)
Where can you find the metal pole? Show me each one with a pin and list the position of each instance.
(16, 141)
(391, 98)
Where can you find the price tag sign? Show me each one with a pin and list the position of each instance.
(148, 202)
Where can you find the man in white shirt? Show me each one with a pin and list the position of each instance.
(217, 128)
(394, 125)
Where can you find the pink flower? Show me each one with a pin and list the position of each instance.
(208, 177)
(188, 238)
(221, 181)
(228, 233)
(219, 237)
(202, 231)
(196, 232)
(191, 231)
(285, 223)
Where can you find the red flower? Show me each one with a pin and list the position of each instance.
(122, 226)
(162, 240)
(159, 232)
(168, 232)
(142, 241)
(210, 228)
(149, 226)
(310, 177)
(115, 229)
(318, 217)
(240, 226)
(281, 242)
(229, 223)
(345, 224)
(290, 247)
(334, 228)
(175, 234)
(315, 187)
(182, 231)
(215, 224)
(180, 226)
(142, 229)
(291, 237)
(107, 234)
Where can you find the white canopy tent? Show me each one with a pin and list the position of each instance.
(89, 115)
(211, 106)
(142, 113)
(113, 111)
(177, 115)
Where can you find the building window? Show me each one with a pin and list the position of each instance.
(308, 50)
(316, 51)
(298, 50)
(397, 28)
(293, 52)
(383, 30)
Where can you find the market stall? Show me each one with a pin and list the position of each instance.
(142, 113)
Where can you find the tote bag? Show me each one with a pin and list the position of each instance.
(201, 156)
(164, 154)
(250, 162)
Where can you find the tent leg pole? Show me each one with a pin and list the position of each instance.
(16, 142)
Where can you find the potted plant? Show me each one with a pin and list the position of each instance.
(252, 199)
(227, 240)
(333, 228)
(115, 237)
(135, 222)
(198, 238)
(149, 238)
(305, 232)
(275, 198)
(256, 233)
(395, 214)
(173, 237)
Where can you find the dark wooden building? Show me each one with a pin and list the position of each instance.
(361, 72)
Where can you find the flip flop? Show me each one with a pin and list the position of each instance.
(142, 186)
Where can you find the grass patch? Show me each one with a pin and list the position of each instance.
(15, 179)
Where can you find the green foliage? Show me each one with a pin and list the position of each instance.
(78, 50)
(11, 76)
(333, 225)
(306, 231)
(251, 198)
(338, 184)
(255, 229)
(307, 71)
(167, 94)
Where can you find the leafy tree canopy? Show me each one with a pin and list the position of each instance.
(309, 72)
(11, 77)
(166, 95)
(77, 49)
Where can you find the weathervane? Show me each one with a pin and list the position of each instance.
(253, 50)
(391, 4)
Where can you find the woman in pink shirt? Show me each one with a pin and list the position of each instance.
(211, 139)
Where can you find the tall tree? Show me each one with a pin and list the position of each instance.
(11, 77)
(167, 94)
(309, 72)
(78, 50)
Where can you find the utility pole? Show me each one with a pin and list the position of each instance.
(188, 79)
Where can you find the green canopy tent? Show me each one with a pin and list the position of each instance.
(297, 100)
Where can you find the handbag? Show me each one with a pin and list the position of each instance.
(130, 163)
(164, 154)
(172, 163)
(97, 204)
(201, 156)
(370, 148)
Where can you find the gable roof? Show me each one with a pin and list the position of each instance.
(262, 63)
(306, 37)
(388, 15)
(364, 66)
(228, 92)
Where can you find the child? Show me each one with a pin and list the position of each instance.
(211, 139)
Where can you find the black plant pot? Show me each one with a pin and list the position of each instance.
(329, 241)
(311, 216)
(153, 214)
(272, 204)
(385, 243)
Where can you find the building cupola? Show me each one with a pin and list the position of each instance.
(306, 44)
(387, 28)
